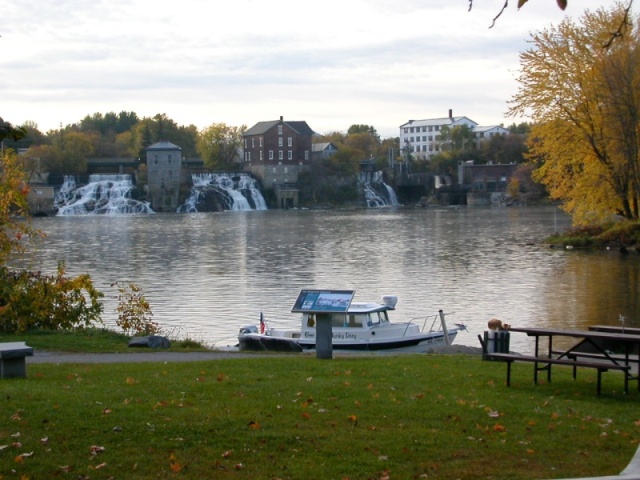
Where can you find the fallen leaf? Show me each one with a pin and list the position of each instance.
(95, 449)
(227, 454)
(254, 425)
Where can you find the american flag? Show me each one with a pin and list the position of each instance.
(262, 324)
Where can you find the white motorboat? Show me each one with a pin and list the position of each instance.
(364, 326)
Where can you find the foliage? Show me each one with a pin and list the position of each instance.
(399, 417)
(15, 230)
(585, 103)
(604, 235)
(91, 340)
(8, 131)
(134, 311)
(218, 145)
(33, 300)
(621, 233)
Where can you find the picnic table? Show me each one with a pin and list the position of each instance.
(599, 350)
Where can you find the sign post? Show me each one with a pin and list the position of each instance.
(323, 303)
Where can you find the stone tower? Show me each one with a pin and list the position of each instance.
(164, 168)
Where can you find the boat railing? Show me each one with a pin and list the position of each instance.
(433, 322)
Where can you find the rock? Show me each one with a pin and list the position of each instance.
(150, 341)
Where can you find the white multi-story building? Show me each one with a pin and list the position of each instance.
(422, 138)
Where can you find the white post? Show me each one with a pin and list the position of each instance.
(444, 328)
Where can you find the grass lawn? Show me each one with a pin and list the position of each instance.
(296, 417)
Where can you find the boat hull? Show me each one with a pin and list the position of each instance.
(437, 339)
(260, 342)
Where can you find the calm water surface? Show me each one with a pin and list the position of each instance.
(208, 274)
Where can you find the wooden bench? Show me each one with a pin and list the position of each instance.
(546, 364)
(12, 359)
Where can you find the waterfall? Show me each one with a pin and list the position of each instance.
(104, 194)
(376, 192)
(213, 192)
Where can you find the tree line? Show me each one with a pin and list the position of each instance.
(125, 135)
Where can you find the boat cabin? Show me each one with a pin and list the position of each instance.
(360, 315)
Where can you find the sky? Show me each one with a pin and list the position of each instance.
(239, 62)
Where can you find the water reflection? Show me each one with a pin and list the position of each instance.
(208, 274)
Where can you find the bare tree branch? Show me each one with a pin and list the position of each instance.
(506, 4)
(621, 28)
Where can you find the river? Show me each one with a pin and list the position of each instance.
(207, 274)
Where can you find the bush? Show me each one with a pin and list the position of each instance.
(134, 311)
(32, 300)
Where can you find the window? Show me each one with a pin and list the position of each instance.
(289, 141)
(280, 155)
(260, 142)
(430, 128)
(252, 143)
(437, 128)
(270, 154)
(424, 138)
(279, 129)
(260, 155)
(406, 130)
(289, 155)
(248, 156)
(431, 138)
(424, 129)
(245, 143)
(306, 154)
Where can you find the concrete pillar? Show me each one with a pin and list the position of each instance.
(324, 336)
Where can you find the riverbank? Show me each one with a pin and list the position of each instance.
(292, 416)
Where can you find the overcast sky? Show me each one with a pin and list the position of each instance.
(239, 62)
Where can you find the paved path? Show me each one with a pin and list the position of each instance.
(134, 357)
(148, 355)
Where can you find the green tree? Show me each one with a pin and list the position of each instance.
(77, 147)
(219, 144)
(585, 103)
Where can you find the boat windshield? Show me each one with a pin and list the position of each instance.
(351, 320)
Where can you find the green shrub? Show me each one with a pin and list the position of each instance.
(33, 300)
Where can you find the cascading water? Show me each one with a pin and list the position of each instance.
(104, 194)
(376, 192)
(214, 192)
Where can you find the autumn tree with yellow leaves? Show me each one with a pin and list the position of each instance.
(582, 91)
(32, 300)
